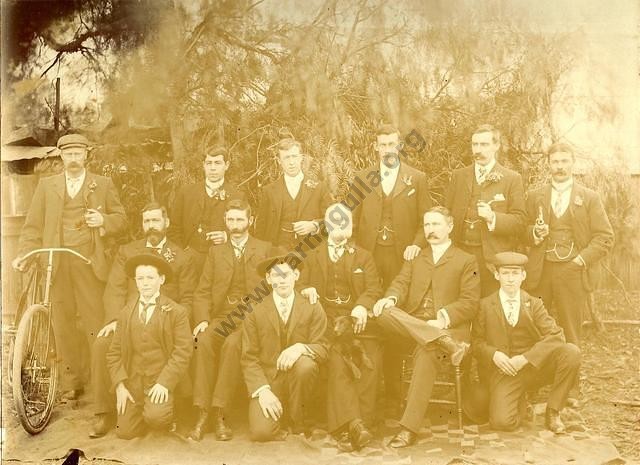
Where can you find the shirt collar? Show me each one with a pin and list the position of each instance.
(152, 300)
(562, 186)
(289, 300)
(394, 170)
(333, 243)
(80, 178)
(296, 179)
(213, 186)
(160, 245)
(240, 244)
(504, 297)
(487, 167)
(441, 247)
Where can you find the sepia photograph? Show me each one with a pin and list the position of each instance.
(250, 232)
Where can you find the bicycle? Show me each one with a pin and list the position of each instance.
(34, 364)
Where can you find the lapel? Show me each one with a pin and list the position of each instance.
(249, 250)
(59, 185)
(576, 191)
(499, 312)
(349, 257)
(304, 194)
(85, 190)
(525, 312)
(401, 185)
(201, 193)
(469, 177)
(295, 315)
(272, 315)
(546, 203)
(378, 188)
(227, 255)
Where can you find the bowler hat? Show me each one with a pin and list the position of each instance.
(291, 259)
(148, 259)
(73, 140)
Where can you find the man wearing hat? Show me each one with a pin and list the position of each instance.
(283, 343)
(121, 288)
(228, 283)
(343, 277)
(81, 211)
(429, 308)
(150, 353)
(197, 213)
(519, 345)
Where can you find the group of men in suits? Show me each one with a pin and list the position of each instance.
(264, 308)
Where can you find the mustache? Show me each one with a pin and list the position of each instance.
(432, 236)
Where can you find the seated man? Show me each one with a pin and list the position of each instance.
(283, 341)
(150, 352)
(440, 290)
(344, 278)
(520, 345)
(229, 279)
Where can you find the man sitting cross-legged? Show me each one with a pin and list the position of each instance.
(520, 345)
(439, 291)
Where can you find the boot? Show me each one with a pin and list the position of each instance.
(456, 350)
(223, 432)
(201, 424)
(102, 425)
(553, 422)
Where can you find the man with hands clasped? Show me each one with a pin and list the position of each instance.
(283, 343)
(150, 352)
(521, 346)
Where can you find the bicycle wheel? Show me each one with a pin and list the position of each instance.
(35, 370)
(31, 294)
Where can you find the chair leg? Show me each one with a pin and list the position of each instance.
(459, 395)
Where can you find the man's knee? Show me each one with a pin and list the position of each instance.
(158, 416)
(504, 421)
(128, 430)
(570, 355)
(305, 368)
(262, 432)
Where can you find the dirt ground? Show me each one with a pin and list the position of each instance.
(610, 388)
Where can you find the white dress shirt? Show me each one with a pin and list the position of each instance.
(389, 177)
(293, 183)
(486, 169)
(74, 184)
(284, 306)
(510, 307)
(335, 250)
(151, 308)
(212, 187)
(438, 250)
(560, 196)
(238, 247)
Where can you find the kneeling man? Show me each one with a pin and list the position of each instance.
(150, 351)
(521, 346)
(283, 343)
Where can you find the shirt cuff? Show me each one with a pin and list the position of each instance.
(394, 298)
(317, 225)
(442, 313)
(309, 352)
(579, 257)
(257, 392)
(491, 226)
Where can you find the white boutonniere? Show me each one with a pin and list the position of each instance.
(92, 186)
(408, 180)
(578, 201)
(411, 192)
(220, 194)
(493, 177)
(169, 255)
(166, 307)
(311, 184)
(499, 198)
(351, 250)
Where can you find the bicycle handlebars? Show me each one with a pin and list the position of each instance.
(52, 250)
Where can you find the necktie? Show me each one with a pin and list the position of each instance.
(238, 250)
(335, 252)
(157, 250)
(482, 171)
(143, 312)
(511, 312)
(73, 186)
(557, 205)
(284, 311)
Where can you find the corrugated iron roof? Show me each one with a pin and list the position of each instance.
(25, 152)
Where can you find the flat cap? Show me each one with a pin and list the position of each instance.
(73, 140)
(150, 259)
(291, 259)
(509, 259)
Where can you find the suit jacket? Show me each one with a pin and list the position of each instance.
(120, 288)
(490, 330)
(510, 212)
(315, 197)
(454, 281)
(261, 338)
(43, 225)
(363, 279)
(188, 207)
(176, 342)
(410, 200)
(211, 293)
(592, 232)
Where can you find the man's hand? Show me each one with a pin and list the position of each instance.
(93, 218)
(217, 237)
(200, 328)
(540, 231)
(289, 356)
(159, 394)
(436, 323)
(411, 252)
(108, 329)
(302, 228)
(518, 362)
(381, 304)
(504, 363)
(360, 314)
(485, 212)
(311, 294)
(122, 396)
(270, 404)
(19, 264)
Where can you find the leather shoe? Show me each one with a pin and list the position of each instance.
(223, 432)
(201, 424)
(358, 434)
(102, 425)
(456, 350)
(404, 438)
(72, 394)
(553, 422)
